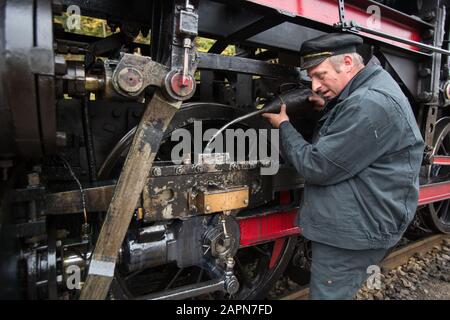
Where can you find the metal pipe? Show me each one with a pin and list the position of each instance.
(420, 45)
(246, 116)
(89, 141)
(188, 291)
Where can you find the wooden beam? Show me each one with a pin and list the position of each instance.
(154, 122)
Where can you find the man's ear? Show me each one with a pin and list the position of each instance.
(348, 62)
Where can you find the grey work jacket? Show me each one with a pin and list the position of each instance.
(361, 170)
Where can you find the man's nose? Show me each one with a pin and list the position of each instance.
(315, 86)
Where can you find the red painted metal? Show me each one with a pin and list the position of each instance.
(285, 197)
(276, 252)
(441, 160)
(275, 226)
(267, 227)
(326, 11)
(434, 192)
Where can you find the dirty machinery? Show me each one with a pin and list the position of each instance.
(93, 205)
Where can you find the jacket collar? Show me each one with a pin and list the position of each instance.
(358, 80)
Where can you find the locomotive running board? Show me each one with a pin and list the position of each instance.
(261, 228)
(434, 192)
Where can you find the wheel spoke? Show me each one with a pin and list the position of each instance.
(445, 144)
(173, 279)
(443, 213)
(444, 149)
(200, 274)
(135, 273)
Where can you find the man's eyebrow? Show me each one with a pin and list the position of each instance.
(317, 73)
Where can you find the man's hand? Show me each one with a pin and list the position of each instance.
(317, 101)
(276, 119)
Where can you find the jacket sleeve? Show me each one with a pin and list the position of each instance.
(349, 145)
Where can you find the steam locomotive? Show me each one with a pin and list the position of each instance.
(93, 204)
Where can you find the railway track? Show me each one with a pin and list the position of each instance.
(395, 259)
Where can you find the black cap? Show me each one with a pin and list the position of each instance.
(316, 50)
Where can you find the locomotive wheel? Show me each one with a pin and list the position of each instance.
(254, 270)
(439, 213)
(299, 270)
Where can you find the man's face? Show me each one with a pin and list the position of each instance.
(326, 80)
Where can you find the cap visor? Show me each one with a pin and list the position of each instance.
(312, 63)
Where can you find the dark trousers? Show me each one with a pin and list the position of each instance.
(337, 274)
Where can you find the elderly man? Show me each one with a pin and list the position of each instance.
(361, 170)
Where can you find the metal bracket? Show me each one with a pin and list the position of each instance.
(134, 73)
(341, 7)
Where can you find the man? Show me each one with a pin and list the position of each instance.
(361, 170)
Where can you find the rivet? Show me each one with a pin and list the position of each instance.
(156, 171)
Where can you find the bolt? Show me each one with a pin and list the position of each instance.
(130, 80)
(179, 170)
(156, 171)
(208, 208)
(33, 179)
(425, 96)
(447, 90)
(230, 263)
(232, 285)
(187, 43)
(193, 208)
(246, 201)
(424, 72)
(198, 168)
(429, 15)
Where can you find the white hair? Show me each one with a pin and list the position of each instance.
(338, 60)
